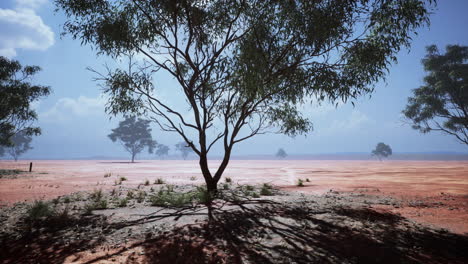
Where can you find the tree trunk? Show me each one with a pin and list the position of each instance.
(133, 157)
(211, 184)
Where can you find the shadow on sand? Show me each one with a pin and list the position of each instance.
(271, 233)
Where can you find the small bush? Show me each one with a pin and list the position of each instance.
(117, 182)
(130, 194)
(123, 179)
(300, 183)
(255, 195)
(100, 205)
(170, 199)
(159, 181)
(228, 179)
(266, 190)
(67, 199)
(193, 178)
(113, 192)
(225, 186)
(39, 209)
(96, 195)
(107, 175)
(141, 196)
(151, 189)
(170, 188)
(249, 188)
(123, 202)
(202, 195)
(147, 183)
(307, 180)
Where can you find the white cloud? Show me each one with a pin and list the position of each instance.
(69, 108)
(356, 120)
(22, 28)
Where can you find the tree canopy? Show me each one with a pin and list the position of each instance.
(16, 95)
(441, 104)
(21, 144)
(162, 150)
(382, 150)
(134, 135)
(281, 153)
(184, 149)
(244, 67)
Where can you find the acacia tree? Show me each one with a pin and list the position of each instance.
(281, 153)
(184, 149)
(162, 150)
(242, 66)
(21, 143)
(441, 104)
(134, 135)
(16, 95)
(382, 150)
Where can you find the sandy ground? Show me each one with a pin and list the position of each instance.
(419, 184)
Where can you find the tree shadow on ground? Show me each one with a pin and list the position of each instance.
(291, 234)
(50, 240)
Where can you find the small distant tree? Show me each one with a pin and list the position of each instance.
(134, 135)
(162, 150)
(16, 95)
(20, 144)
(382, 150)
(441, 104)
(184, 149)
(281, 154)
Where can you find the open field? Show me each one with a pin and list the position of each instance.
(346, 212)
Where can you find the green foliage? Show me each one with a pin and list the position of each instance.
(134, 135)
(123, 202)
(300, 183)
(225, 186)
(39, 209)
(441, 104)
(20, 144)
(130, 194)
(141, 196)
(247, 65)
(382, 151)
(266, 190)
(255, 195)
(16, 95)
(166, 198)
(96, 195)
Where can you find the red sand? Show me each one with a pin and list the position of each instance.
(407, 179)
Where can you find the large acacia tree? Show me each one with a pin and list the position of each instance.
(243, 66)
(441, 104)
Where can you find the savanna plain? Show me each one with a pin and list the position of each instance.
(266, 211)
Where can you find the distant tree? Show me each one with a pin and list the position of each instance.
(20, 145)
(281, 154)
(184, 149)
(382, 150)
(441, 104)
(134, 135)
(243, 67)
(16, 95)
(162, 150)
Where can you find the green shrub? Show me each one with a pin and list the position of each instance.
(249, 188)
(159, 181)
(228, 179)
(300, 183)
(266, 190)
(170, 199)
(255, 195)
(202, 195)
(130, 194)
(67, 199)
(96, 195)
(225, 186)
(39, 209)
(170, 188)
(123, 202)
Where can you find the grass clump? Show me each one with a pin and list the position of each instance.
(67, 199)
(228, 179)
(225, 186)
(130, 194)
(266, 190)
(193, 178)
(96, 195)
(159, 181)
(300, 183)
(123, 202)
(141, 196)
(38, 210)
(122, 179)
(255, 195)
(307, 180)
(107, 175)
(165, 198)
(147, 182)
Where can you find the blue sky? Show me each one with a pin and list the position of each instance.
(74, 123)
